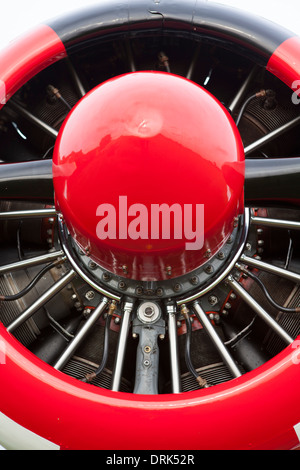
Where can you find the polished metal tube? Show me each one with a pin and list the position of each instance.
(193, 63)
(123, 336)
(80, 336)
(58, 286)
(79, 86)
(270, 268)
(27, 263)
(174, 358)
(34, 213)
(238, 289)
(240, 94)
(271, 136)
(130, 56)
(34, 119)
(205, 322)
(267, 222)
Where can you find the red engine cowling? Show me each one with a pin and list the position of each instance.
(148, 174)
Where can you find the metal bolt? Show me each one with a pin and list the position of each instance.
(248, 246)
(92, 265)
(209, 269)
(177, 287)
(169, 270)
(147, 349)
(161, 336)
(149, 312)
(235, 221)
(106, 277)
(194, 280)
(221, 255)
(122, 285)
(159, 291)
(213, 300)
(208, 253)
(90, 295)
(146, 363)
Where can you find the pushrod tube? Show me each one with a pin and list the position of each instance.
(57, 287)
(27, 263)
(238, 289)
(76, 341)
(175, 372)
(124, 330)
(205, 322)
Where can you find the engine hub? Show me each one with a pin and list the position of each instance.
(148, 173)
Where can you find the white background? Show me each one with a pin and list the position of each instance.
(17, 16)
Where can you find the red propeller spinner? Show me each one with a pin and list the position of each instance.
(148, 174)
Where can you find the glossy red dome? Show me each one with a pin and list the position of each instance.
(148, 173)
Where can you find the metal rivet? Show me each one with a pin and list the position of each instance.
(122, 285)
(209, 269)
(194, 280)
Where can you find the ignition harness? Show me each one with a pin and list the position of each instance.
(201, 381)
(266, 293)
(56, 93)
(92, 375)
(33, 282)
(260, 94)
